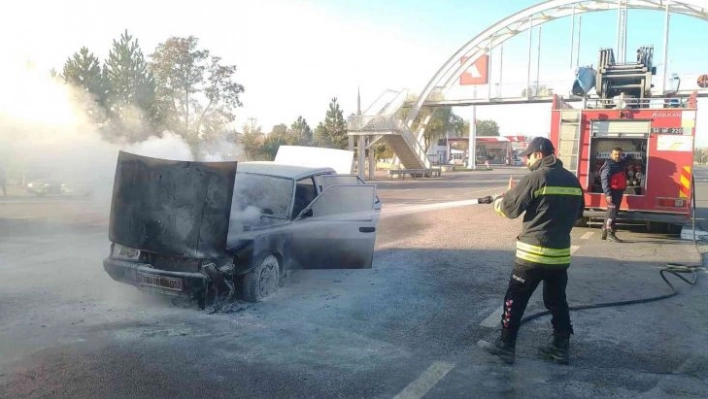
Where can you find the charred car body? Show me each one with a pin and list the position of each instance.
(214, 230)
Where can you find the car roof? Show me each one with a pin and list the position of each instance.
(280, 170)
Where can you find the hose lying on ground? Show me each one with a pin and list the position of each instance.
(673, 268)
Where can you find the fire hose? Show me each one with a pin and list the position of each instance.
(675, 269)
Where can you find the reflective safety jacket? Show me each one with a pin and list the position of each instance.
(552, 200)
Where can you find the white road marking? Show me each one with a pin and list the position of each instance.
(574, 248)
(418, 388)
(494, 319)
(587, 235)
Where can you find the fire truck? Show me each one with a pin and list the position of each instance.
(658, 132)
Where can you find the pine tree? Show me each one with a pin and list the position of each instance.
(131, 89)
(333, 132)
(83, 70)
(302, 131)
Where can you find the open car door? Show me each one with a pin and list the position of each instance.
(337, 230)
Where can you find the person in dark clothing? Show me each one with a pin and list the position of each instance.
(551, 199)
(614, 182)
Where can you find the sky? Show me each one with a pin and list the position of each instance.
(293, 56)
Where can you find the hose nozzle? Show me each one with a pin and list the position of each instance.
(485, 200)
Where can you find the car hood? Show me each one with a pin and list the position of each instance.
(172, 207)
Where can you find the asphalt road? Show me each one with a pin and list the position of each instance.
(407, 327)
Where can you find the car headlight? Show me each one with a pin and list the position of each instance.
(120, 251)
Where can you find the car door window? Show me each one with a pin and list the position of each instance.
(340, 179)
(305, 193)
(329, 180)
(350, 202)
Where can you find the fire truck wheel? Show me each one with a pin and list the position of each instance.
(656, 227)
(674, 229)
(664, 228)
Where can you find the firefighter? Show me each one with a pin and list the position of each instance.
(552, 200)
(614, 183)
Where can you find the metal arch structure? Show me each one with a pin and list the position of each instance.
(532, 17)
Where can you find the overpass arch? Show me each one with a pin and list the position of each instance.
(532, 17)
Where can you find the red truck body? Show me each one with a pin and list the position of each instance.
(660, 134)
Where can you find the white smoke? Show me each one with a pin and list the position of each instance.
(222, 150)
(46, 132)
(169, 146)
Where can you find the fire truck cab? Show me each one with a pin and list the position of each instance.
(658, 132)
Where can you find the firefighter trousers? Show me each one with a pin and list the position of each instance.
(524, 280)
(612, 211)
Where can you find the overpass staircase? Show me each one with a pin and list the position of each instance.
(383, 121)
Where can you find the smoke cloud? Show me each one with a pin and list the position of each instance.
(46, 132)
(169, 146)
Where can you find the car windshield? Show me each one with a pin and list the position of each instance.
(258, 195)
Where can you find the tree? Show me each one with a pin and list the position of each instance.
(83, 70)
(302, 131)
(333, 131)
(279, 130)
(487, 127)
(278, 136)
(131, 89)
(700, 155)
(195, 92)
(537, 91)
(444, 122)
(437, 125)
(252, 140)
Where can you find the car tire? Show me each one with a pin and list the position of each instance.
(263, 280)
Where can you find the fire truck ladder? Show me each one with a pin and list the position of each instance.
(569, 138)
(628, 81)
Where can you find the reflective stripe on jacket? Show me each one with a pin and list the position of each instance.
(551, 199)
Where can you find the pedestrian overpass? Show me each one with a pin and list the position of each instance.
(399, 117)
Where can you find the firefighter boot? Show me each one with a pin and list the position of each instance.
(612, 237)
(557, 350)
(504, 347)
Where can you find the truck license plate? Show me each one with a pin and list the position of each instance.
(152, 280)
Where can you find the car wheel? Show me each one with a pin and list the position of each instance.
(262, 281)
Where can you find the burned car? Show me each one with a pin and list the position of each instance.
(215, 230)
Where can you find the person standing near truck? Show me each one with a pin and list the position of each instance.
(614, 183)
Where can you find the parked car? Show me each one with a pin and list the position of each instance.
(215, 230)
(53, 186)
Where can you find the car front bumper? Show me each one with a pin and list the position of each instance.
(146, 277)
